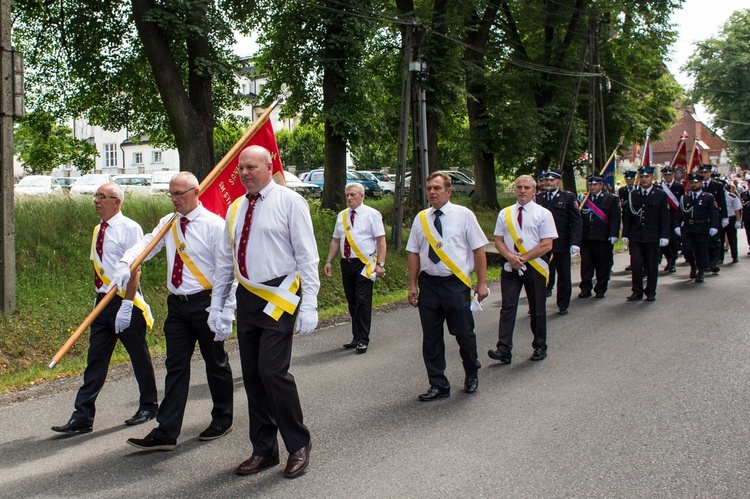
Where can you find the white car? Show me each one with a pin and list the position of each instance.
(160, 181)
(88, 184)
(136, 184)
(386, 182)
(37, 185)
(304, 188)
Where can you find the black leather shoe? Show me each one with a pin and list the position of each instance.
(699, 276)
(600, 295)
(151, 443)
(735, 260)
(73, 427)
(628, 268)
(539, 354)
(549, 292)
(650, 298)
(471, 383)
(584, 294)
(435, 393)
(140, 417)
(361, 347)
(563, 311)
(352, 344)
(693, 272)
(503, 357)
(671, 269)
(256, 464)
(214, 431)
(715, 268)
(634, 297)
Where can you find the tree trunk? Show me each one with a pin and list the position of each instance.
(334, 175)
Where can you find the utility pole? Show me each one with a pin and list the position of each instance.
(403, 139)
(11, 105)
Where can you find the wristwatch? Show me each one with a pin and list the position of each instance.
(381, 265)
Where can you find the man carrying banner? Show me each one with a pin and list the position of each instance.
(124, 318)
(601, 229)
(191, 264)
(446, 243)
(360, 235)
(700, 221)
(674, 191)
(645, 228)
(269, 246)
(715, 242)
(523, 236)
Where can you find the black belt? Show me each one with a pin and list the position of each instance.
(351, 260)
(195, 296)
(439, 277)
(693, 222)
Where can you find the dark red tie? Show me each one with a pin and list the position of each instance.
(347, 248)
(242, 252)
(178, 263)
(100, 252)
(520, 225)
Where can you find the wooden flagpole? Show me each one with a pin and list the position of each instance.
(586, 198)
(236, 149)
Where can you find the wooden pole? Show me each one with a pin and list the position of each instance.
(235, 150)
(586, 198)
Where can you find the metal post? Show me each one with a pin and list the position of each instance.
(423, 140)
(403, 141)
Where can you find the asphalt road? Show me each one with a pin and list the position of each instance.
(634, 400)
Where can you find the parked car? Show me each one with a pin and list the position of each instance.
(372, 189)
(160, 181)
(304, 188)
(89, 183)
(386, 182)
(37, 185)
(136, 184)
(460, 183)
(66, 182)
(303, 176)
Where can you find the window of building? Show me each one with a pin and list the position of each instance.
(156, 157)
(137, 158)
(110, 155)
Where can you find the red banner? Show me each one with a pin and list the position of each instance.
(227, 187)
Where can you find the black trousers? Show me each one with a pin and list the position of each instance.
(511, 284)
(102, 342)
(671, 250)
(716, 248)
(596, 257)
(358, 290)
(446, 300)
(272, 398)
(644, 256)
(695, 249)
(730, 234)
(560, 266)
(186, 324)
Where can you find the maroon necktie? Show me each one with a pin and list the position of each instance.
(100, 252)
(520, 225)
(178, 263)
(242, 252)
(347, 248)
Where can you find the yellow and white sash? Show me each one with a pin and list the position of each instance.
(538, 263)
(138, 300)
(280, 299)
(436, 242)
(369, 262)
(181, 245)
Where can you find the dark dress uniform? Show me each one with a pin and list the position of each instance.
(644, 222)
(622, 193)
(596, 248)
(745, 199)
(671, 250)
(700, 213)
(716, 243)
(564, 208)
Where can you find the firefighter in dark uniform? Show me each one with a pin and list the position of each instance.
(645, 227)
(564, 208)
(700, 221)
(715, 244)
(601, 228)
(623, 192)
(671, 250)
(745, 199)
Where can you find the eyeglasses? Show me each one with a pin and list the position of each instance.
(102, 197)
(178, 194)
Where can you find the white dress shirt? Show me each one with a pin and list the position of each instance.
(538, 224)
(367, 226)
(733, 203)
(461, 236)
(121, 234)
(281, 242)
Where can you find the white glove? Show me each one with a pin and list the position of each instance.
(738, 225)
(227, 318)
(121, 277)
(574, 250)
(122, 321)
(214, 319)
(625, 240)
(307, 319)
(724, 222)
(663, 242)
(712, 232)
(476, 305)
(612, 240)
(678, 231)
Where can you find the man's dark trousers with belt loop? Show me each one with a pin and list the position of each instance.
(358, 290)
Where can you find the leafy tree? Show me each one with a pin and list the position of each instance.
(42, 145)
(722, 79)
(226, 134)
(303, 146)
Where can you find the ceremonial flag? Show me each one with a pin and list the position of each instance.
(647, 158)
(608, 173)
(696, 160)
(218, 195)
(679, 162)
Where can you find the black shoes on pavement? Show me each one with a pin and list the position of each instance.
(502, 356)
(435, 393)
(214, 431)
(73, 427)
(539, 354)
(151, 443)
(361, 346)
(140, 417)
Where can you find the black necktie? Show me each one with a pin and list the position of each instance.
(439, 227)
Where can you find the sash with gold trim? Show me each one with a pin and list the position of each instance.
(538, 263)
(369, 263)
(138, 300)
(181, 246)
(280, 299)
(436, 242)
